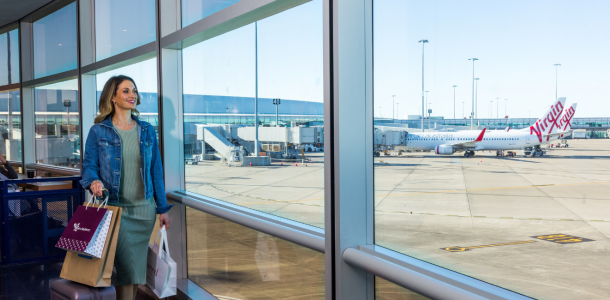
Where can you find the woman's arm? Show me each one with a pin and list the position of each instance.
(156, 172)
(91, 163)
(9, 172)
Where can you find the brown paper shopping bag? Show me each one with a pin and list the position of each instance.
(95, 272)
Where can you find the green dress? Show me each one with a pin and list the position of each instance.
(138, 217)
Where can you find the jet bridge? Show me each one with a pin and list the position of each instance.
(212, 135)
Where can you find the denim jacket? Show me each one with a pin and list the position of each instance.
(102, 162)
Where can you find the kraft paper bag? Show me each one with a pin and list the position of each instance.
(91, 271)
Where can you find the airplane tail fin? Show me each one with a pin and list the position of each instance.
(549, 122)
(507, 129)
(565, 121)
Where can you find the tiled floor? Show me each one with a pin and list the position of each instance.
(33, 281)
(28, 281)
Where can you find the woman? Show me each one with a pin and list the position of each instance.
(122, 156)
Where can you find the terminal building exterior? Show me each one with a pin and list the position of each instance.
(266, 113)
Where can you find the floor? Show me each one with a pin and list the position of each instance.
(33, 281)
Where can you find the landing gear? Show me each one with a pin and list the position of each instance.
(466, 154)
(471, 153)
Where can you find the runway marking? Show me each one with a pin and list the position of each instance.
(462, 249)
(266, 201)
(488, 217)
(562, 238)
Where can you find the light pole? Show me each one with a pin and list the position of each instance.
(472, 112)
(497, 103)
(393, 98)
(476, 97)
(276, 102)
(429, 112)
(556, 68)
(454, 101)
(256, 89)
(491, 107)
(427, 101)
(505, 113)
(397, 112)
(423, 115)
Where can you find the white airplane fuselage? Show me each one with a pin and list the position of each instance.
(492, 140)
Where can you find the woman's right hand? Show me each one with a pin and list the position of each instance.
(96, 188)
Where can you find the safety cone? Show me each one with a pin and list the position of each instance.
(282, 163)
(250, 164)
(296, 165)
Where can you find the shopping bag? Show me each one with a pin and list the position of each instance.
(87, 230)
(161, 269)
(95, 272)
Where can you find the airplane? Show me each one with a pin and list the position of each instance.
(469, 141)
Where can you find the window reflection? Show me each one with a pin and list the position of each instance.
(195, 10)
(231, 261)
(123, 25)
(9, 57)
(57, 124)
(10, 125)
(55, 42)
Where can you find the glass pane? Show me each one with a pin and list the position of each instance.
(385, 290)
(195, 10)
(220, 86)
(123, 25)
(55, 42)
(57, 125)
(10, 125)
(9, 57)
(231, 261)
(536, 223)
(145, 76)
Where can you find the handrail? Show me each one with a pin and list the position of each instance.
(414, 281)
(277, 229)
(53, 169)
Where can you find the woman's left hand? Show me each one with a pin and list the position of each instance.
(164, 219)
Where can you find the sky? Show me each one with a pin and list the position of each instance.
(517, 44)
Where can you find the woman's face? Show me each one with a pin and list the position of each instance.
(126, 95)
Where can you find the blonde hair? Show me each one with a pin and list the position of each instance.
(106, 108)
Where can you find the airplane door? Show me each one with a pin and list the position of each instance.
(527, 140)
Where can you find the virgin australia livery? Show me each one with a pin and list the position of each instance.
(529, 140)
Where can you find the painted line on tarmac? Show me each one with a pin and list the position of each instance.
(491, 189)
(462, 249)
(562, 238)
(487, 217)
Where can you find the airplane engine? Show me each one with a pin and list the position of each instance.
(444, 150)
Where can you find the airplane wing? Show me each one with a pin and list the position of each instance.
(468, 144)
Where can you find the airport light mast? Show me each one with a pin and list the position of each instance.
(454, 101)
(276, 102)
(556, 68)
(256, 89)
(472, 112)
(476, 97)
(423, 115)
(427, 109)
(393, 98)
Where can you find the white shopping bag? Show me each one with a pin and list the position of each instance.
(161, 269)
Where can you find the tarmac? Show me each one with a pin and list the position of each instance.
(538, 226)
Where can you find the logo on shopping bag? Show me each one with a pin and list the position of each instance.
(152, 270)
(77, 228)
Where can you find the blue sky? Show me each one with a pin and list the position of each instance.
(517, 42)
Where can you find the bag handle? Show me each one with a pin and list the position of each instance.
(104, 202)
(163, 234)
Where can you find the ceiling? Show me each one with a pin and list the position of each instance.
(13, 10)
